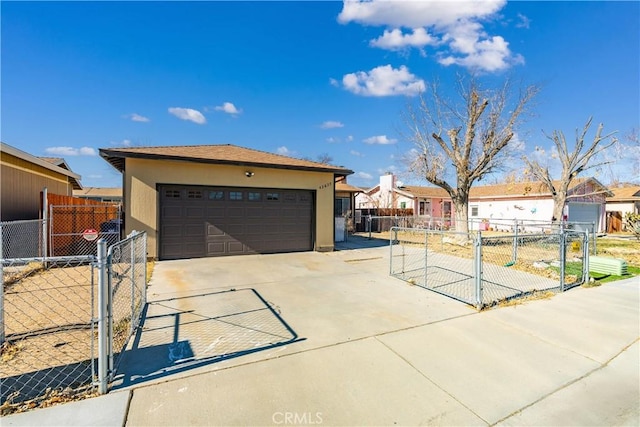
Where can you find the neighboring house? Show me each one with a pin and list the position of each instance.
(624, 201)
(100, 194)
(24, 177)
(343, 208)
(524, 201)
(214, 200)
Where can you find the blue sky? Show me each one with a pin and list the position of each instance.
(300, 78)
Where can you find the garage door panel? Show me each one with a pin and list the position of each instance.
(235, 247)
(232, 221)
(215, 212)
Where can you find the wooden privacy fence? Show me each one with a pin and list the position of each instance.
(70, 216)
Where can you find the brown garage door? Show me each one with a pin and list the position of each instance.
(216, 221)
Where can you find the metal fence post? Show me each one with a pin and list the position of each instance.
(133, 284)
(45, 224)
(585, 257)
(514, 254)
(426, 261)
(1, 290)
(103, 297)
(391, 240)
(593, 230)
(369, 225)
(563, 256)
(478, 269)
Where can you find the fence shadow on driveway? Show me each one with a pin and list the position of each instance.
(362, 241)
(184, 333)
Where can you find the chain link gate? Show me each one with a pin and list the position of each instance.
(63, 320)
(482, 270)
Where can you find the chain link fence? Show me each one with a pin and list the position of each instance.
(67, 224)
(51, 319)
(127, 261)
(47, 329)
(485, 270)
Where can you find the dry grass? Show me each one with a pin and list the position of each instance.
(48, 399)
(534, 296)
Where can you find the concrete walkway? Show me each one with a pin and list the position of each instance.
(331, 339)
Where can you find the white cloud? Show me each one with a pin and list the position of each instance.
(383, 81)
(356, 153)
(364, 175)
(285, 151)
(524, 21)
(70, 151)
(123, 143)
(229, 108)
(332, 140)
(453, 27)
(380, 140)
(188, 114)
(471, 48)
(137, 118)
(349, 138)
(414, 14)
(395, 39)
(330, 124)
(334, 82)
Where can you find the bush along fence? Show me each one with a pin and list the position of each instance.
(484, 270)
(65, 320)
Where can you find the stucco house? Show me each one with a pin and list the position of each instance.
(24, 177)
(524, 201)
(623, 201)
(215, 200)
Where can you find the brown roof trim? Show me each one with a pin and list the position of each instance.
(117, 156)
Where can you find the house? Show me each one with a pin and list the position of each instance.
(215, 200)
(100, 194)
(501, 203)
(625, 200)
(24, 177)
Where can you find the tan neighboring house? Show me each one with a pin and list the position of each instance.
(625, 200)
(100, 194)
(24, 177)
(215, 200)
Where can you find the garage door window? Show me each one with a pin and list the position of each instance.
(216, 195)
(291, 198)
(255, 197)
(172, 194)
(273, 196)
(235, 195)
(194, 194)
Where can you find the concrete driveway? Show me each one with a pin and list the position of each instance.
(331, 339)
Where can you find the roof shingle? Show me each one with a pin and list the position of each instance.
(221, 154)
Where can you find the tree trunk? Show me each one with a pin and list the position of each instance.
(558, 210)
(461, 216)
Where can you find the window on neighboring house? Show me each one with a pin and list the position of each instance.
(474, 210)
(424, 207)
(342, 206)
(446, 209)
(403, 205)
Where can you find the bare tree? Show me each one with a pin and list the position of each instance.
(468, 138)
(573, 163)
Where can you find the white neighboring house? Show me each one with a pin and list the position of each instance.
(494, 206)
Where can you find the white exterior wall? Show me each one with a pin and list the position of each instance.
(623, 207)
(500, 214)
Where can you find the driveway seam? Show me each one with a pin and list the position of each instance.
(430, 380)
(568, 384)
